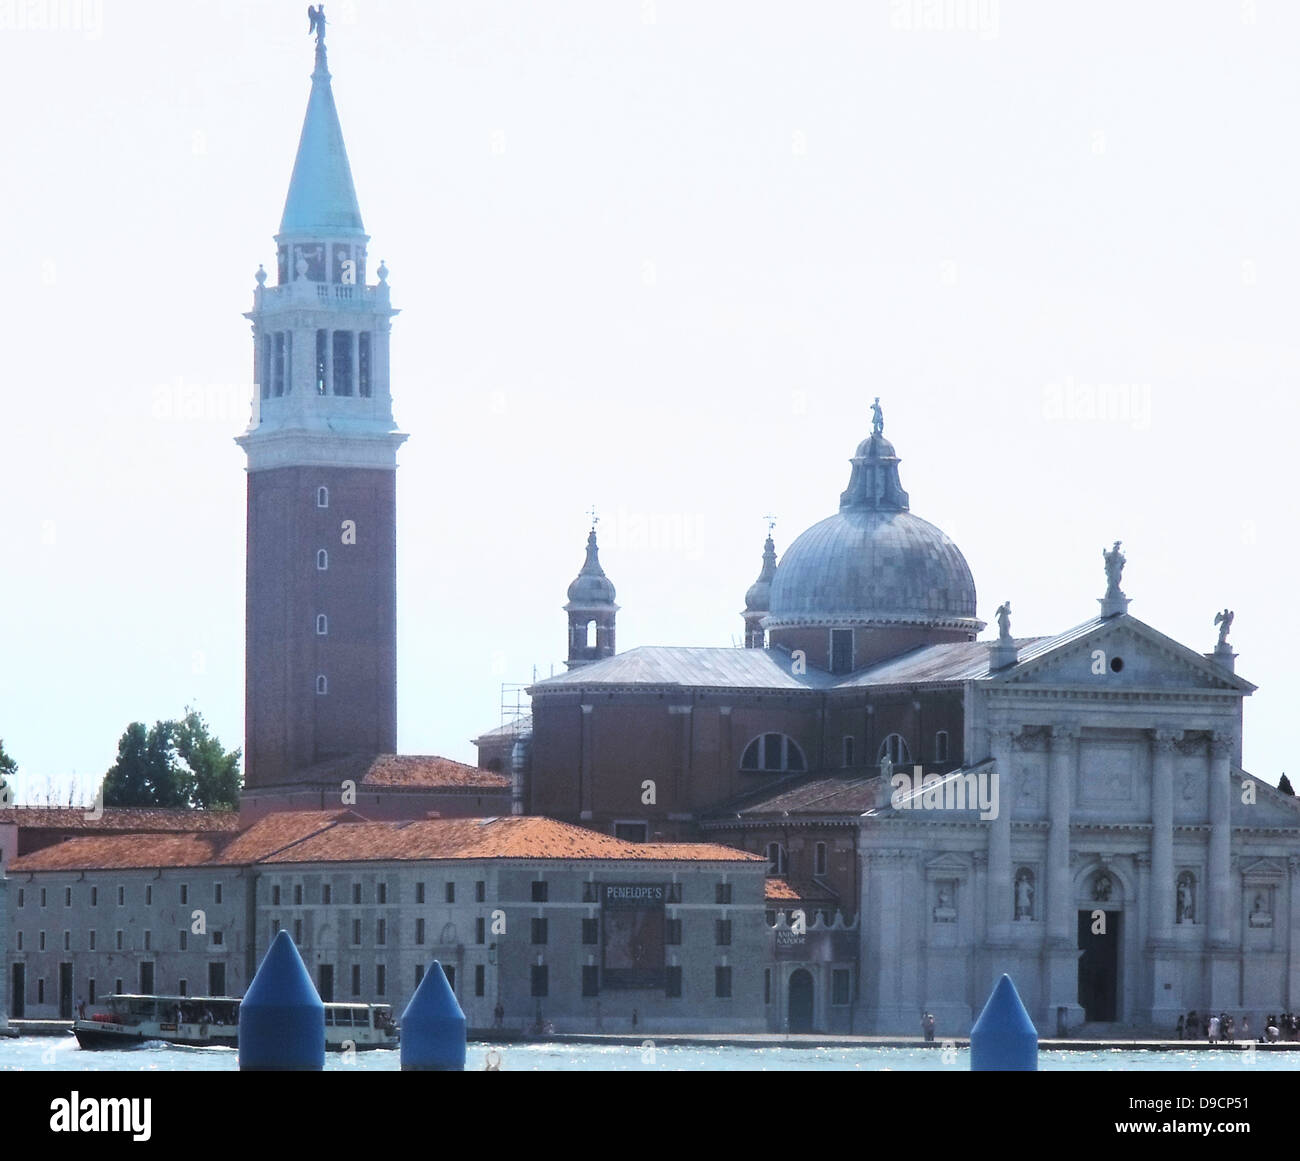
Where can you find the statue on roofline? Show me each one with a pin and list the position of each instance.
(1115, 561)
(1224, 621)
(877, 418)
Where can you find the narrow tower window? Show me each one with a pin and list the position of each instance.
(322, 560)
(848, 750)
(322, 686)
(941, 746)
(322, 625)
(288, 362)
(277, 382)
(363, 364)
(322, 368)
(264, 367)
(841, 650)
(322, 497)
(591, 634)
(342, 362)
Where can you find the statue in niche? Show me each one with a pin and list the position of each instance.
(1102, 887)
(1186, 897)
(1115, 561)
(1024, 893)
(1260, 916)
(944, 911)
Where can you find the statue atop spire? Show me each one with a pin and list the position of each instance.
(877, 418)
(316, 23)
(1114, 601)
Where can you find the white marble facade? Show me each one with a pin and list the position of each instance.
(1132, 865)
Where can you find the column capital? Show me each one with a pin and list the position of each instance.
(1062, 735)
(979, 858)
(1002, 735)
(1143, 860)
(1164, 741)
(1221, 744)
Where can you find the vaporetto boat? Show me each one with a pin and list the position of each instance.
(127, 1021)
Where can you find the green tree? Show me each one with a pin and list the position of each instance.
(1284, 785)
(213, 769)
(7, 764)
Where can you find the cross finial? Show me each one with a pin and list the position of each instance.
(771, 523)
(594, 518)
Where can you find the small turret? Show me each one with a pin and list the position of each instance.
(758, 598)
(591, 609)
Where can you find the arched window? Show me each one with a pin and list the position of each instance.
(591, 634)
(322, 560)
(773, 752)
(777, 863)
(941, 746)
(322, 625)
(322, 497)
(322, 686)
(895, 748)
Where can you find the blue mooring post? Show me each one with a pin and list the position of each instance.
(281, 1018)
(433, 1027)
(1004, 1038)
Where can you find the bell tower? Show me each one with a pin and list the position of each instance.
(321, 648)
(591, 609)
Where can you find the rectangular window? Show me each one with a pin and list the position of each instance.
(356, 892)
(94, 897)
(67, 941)
(540, 984)
(674, 892)
(632, 832)
(90, 990)
(767, 985)
(451, 892)
(591, 931)
(723, 893)
(297, 894)
(539, 891)
(297, 932)
(841, 650)
(673, 982)
(322, 384)
(264, 368)
(590, 893)
(216, 892)
(20, 941)
(419, 974)
(91, 935)
(419, 931)
(342, 362)
(380, 979)
(841, 986)
(356, 979)
(117, 986)
(480, 930)
(381, 933)
(356, 933)
(218, 938)
(185, 939)
(381, 892)
(450, 973)
(673, 932)
(363, 364)
(722, 983)
(419, 892)
(67, 896)
(590, 980)
(941, 746)
(185, 894)
(539, 930)
(480, 892)
(480, 980)
(275, 928)
(119, 941)
(43, 896)
(277, 374)
(275, 896)
(40, 991)
(723, 932)
(22, 897)
(148, 895)
(819, 859)
(184, 987)
(847, 750)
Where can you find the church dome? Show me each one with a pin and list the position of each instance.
(873, 563)
(758, 597)
(591, 587)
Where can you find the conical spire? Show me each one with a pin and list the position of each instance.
(758, 598)
(591, 586)
(874, 481)
(322, 198)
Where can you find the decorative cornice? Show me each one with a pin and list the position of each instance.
(1164, 741)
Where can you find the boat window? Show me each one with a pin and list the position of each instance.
(329, 1017)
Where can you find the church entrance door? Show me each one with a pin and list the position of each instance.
(800, 1011)
(1099, 967)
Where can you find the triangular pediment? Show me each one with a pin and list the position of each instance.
(948, 861)
(1118, 653)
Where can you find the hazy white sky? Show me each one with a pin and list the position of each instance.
(658, 256)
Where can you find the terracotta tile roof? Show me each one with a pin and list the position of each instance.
(428, 770)
(275, 832)
(121, 818)
(119, 852)
(779, 891)
(522, 837)
(400, 771)
(797, 891)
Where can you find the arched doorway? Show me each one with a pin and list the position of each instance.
(800, 1008)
